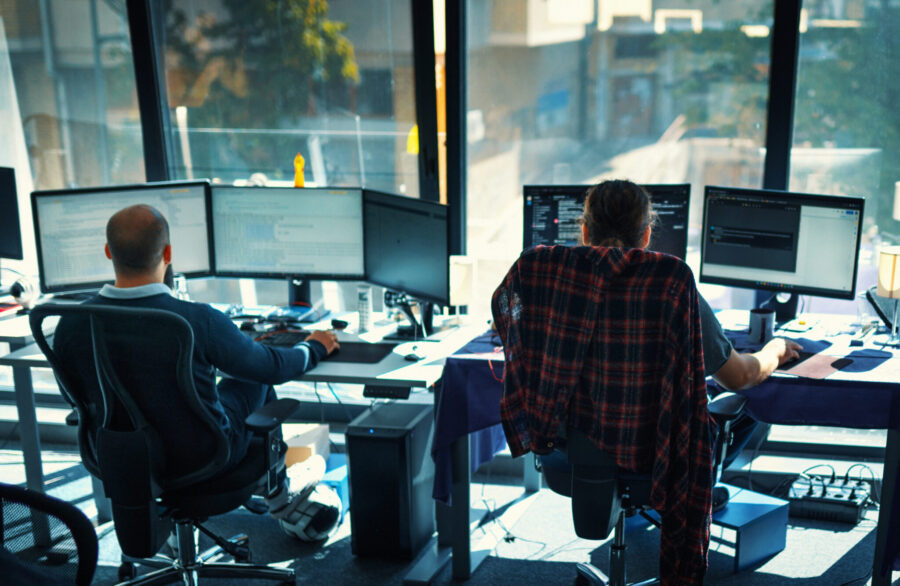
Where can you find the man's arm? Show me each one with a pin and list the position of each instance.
(742, 371)
(239, 356)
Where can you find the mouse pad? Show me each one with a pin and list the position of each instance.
(362, 352)
(817, 366)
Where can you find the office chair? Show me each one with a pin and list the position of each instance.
(603, 494)
(70, 557)
(162, 458)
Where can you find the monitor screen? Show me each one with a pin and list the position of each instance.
(552, 215)
(270, 232)
(407, 246)
(10, 229)
(781, 241)
(70, 230)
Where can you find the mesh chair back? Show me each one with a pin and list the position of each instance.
(130, 369)
(71, 556)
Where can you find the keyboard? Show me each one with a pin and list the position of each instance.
(360, 352)
(283, 338)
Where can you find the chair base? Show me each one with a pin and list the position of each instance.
(190, 576)
(188, 566)
(589, 575)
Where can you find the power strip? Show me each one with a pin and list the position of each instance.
(818, 497)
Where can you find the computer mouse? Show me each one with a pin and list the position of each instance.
(413, 357)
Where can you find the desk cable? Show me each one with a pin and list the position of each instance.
(493, 517)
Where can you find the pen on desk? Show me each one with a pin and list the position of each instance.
(865, 330)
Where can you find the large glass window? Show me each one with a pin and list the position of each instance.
(68, 106)
(252, 84)
(576, 92)
(74, 81)
(846, 123)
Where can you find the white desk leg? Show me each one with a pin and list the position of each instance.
(888, 484)
(31, 444)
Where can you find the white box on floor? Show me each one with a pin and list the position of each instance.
(305, 440)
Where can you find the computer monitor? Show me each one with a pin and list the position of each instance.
(10, 229)
(70, 230)
(273, 232)
(407, 245)
(552, 214)
(780, 241)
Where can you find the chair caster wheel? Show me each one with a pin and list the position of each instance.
(127, 571)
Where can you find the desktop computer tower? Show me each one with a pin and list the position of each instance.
(391, 477)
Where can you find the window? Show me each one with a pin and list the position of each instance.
(68, 105)
(846, 124)
(251, 84)
(582, 91)
(74, 80)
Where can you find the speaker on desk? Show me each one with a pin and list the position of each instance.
(391, 477)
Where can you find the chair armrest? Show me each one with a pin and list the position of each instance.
(271, 415)
(727, 406)
(72, 418)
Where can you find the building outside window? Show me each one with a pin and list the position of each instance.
(578, 92)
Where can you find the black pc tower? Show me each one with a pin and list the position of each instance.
(391, 478)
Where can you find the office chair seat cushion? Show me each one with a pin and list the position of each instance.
(223, 492)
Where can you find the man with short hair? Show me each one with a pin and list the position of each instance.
(137, 242)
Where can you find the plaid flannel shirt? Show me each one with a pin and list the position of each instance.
(607, 340)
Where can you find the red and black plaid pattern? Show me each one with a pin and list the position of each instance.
(607, 340)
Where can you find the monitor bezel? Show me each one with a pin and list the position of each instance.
(19, 252)
(283, 274)
(782, 287)
(686, 187)
(93, 285)
(442, 301)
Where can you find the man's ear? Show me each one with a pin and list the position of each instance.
(167, 254)
(645, 239)
(106, 250)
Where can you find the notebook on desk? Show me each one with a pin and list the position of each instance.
(360, 352)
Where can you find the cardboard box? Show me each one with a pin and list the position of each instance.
(305, 440)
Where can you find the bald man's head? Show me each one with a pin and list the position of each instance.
(137, 237)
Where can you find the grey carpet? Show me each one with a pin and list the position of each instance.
(539, 548)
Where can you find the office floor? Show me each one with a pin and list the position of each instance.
(540, 545)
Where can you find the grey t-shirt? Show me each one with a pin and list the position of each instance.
(716, 347)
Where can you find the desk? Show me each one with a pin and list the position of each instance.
(865, 394)
(393, 370)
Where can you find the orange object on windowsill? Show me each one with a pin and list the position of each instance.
(299, 163)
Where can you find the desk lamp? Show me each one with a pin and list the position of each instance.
(889, 285)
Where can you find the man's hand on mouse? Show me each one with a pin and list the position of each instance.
(786, 349)
(325, 337)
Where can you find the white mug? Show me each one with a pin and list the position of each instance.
(762, 325)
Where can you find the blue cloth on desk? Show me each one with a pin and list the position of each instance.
(470, 403)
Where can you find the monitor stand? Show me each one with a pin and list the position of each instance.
(300, 306)
(420, 328)
(784, 304)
